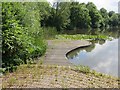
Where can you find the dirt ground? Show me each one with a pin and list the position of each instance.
(52, 76)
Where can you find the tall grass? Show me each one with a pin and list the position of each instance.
(49, 32)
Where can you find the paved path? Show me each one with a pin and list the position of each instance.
(57, 50)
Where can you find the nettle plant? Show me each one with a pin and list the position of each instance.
(22, 34)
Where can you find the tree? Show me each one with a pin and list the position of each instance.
(105, 17)
(79, 15)
(59, 17)
(111, 13)
(95, 15)
(114, 20)
(74, 14)
(44, 11)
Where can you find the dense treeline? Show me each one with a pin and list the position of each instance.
(24, 25)
(72, 15)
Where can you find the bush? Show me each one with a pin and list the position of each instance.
(22, 34)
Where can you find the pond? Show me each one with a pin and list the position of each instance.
(101, 56)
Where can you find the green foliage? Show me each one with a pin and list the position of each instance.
(79, 16)
(25, 26)
(75, 15)
(2, 71)
(49, 32)
(114, 20)
(105, 17)
(111, 13)
(59, 17)
(81, 36)
(45, 12)
(95, 15)
(72, 15)
(22, 34)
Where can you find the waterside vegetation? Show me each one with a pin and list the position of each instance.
(82, 37)
(25, 28)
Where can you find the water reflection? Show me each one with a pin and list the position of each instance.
(87, 49)
(101, 56)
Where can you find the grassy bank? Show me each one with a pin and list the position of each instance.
(82, 37)
(53, 76)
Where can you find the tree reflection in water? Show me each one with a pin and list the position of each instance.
(102, 55)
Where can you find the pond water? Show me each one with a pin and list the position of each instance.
(101, 56)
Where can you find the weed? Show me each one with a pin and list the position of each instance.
(55, 66)
(84, 69)
(11, 81)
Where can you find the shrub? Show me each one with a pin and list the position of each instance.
(22, 34)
